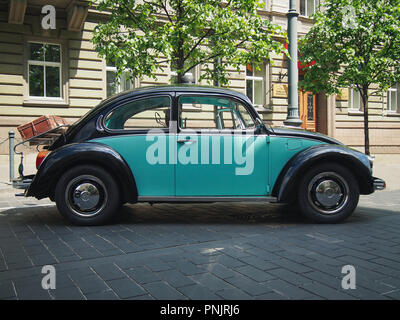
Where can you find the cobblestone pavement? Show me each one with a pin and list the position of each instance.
(201, 251)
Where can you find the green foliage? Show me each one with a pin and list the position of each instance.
(142, 37)
(354, 43)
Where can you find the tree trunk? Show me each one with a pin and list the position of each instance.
(364, 97)
(180, 54)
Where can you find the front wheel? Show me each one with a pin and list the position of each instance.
(87, 195)
(328, 193)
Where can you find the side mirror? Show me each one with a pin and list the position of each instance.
(260, 126)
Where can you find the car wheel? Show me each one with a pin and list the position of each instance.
(328, 193)
(87, 195)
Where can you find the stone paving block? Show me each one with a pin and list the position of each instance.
(211, 282)
(365, 294)
(43, 259)
(292, 266)
(161, 290)
(290, 276)
(255, 274)
(68, 293)
(356, 262)
(271, 296)
(198, 292)
(248, 285)
(259, 263)
(200, 259)
(103, 295)
(326, 292)
(79, 272)
(386, 262)
(234, 294)
(88, 253)
(296, 257)
(175, 278)
(324, 268)
(31, 289)
(326, 279)
(6, 289)
(229, 261)
(89, 284)
(186, 267)
(108, 271)
(142, 275)
(68, 258)
(395, 295)
(288, 290)
(144, 297)
(220, 270)
(126, 288)
(157, 266)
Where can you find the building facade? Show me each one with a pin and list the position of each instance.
(58, 72)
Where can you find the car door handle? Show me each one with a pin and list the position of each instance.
(186, 141)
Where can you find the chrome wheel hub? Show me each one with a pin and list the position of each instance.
(328, 192)
(86, 195)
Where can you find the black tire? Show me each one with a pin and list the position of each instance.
(328, 193)
(87, 195)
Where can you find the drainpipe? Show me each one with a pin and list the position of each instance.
(293, 119)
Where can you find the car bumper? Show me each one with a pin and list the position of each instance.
(22, 182)
(379, 184)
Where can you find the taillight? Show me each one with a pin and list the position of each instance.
(40, 157)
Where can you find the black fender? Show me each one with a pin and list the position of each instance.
(357, 162)
(70, 155)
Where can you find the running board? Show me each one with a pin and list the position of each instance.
(207, 199)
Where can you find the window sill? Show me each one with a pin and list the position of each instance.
(393, 114)
(355, 113)
(261, 108)
(33, 102)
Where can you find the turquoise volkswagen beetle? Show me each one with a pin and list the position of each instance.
(195, 144)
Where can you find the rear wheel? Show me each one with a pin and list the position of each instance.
(328, 193)
(87, 195)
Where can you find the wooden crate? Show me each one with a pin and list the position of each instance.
(40, 125)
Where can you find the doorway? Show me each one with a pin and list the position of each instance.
(307, 110)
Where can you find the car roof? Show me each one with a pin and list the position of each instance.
(181, 88)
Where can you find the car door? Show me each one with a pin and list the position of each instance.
(139, 131)
(218, 152)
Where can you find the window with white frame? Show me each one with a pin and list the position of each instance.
(393, 99)
(354, 100)
(44, 70)
(308, 7)
(114, 84)
(255, 84)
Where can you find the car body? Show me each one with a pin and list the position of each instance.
(195, 144)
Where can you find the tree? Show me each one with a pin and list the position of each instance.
(356, 44)
(142, 37)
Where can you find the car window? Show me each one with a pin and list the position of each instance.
(153, 112)
(198, 112)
